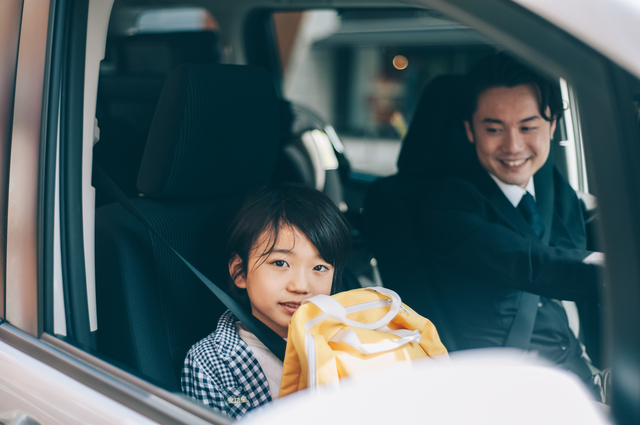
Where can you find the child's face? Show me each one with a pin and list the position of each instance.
(277, 284)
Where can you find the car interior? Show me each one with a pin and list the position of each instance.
(184, 136)
(190, 114)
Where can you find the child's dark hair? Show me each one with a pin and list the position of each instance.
(278, 206)
(501, 70)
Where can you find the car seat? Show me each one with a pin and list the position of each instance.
(214, 136)
(434, 147)
(311, 153)
(128, 90)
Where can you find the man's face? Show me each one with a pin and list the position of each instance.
(511, 137)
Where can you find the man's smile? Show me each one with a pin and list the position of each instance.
(513, 163)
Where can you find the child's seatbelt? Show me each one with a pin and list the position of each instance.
(266, 335)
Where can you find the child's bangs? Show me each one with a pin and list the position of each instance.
(268, 238)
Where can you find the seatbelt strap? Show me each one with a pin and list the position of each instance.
(266, 335)
(522, 327)
(525, 319)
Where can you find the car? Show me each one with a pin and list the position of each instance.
(97, 312)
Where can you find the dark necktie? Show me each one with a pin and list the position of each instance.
(528, 209)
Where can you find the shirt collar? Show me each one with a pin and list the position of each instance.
(513, 192)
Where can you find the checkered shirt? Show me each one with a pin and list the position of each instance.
(222, 372)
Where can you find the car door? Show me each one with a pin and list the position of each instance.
(45, 379)
(32, 390)
(49, 372)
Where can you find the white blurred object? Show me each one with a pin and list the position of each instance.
(610, 27)
(175, 19)
(595, 258)
(490, 386)
(322, 155)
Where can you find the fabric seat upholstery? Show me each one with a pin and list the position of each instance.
(435, 146)
(213, 137)
(128, 95)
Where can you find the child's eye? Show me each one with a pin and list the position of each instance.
(280, 263)
(320, 268)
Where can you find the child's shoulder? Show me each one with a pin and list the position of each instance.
(219, 343)
(216, 356)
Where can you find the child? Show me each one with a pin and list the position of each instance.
(287, 243)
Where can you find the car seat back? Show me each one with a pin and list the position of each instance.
(128, 93)
(435, 146)
(214, 136)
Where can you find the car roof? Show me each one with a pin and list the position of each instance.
(610, 27)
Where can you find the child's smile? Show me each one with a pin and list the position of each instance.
(277, 283)
(290, 307)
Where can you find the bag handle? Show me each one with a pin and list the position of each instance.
(335, 310)
(349, 337)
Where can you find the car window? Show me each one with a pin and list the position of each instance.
(361, 71)
(354, 75)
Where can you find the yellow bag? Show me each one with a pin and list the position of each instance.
(353, 332)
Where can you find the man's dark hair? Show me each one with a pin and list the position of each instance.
(500, 70)
(279, 206)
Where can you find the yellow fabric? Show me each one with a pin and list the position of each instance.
(336, 360)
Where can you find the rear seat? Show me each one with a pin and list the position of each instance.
(129, 91)
(214, 136)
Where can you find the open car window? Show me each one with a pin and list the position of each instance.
(347, 81)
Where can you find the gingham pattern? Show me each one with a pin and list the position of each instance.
(222, 372)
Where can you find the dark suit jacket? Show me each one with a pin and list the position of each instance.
(482, 253)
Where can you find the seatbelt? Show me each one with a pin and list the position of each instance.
(274, 342)
(522, 327)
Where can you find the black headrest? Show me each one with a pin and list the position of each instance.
(163, 52)
(130, 88)
(436, 143)
(215, 133)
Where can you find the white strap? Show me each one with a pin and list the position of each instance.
(335, 310)
(351, 338)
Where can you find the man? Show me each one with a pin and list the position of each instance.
(506, 238)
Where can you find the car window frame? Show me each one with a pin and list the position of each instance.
(9, 39)
(22, 288)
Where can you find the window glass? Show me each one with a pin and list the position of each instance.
(154, 41)
(363, 71)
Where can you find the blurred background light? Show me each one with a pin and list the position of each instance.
(400, 62)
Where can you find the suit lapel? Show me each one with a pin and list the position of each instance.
(500, 204)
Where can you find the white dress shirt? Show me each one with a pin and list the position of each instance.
(514, 193)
